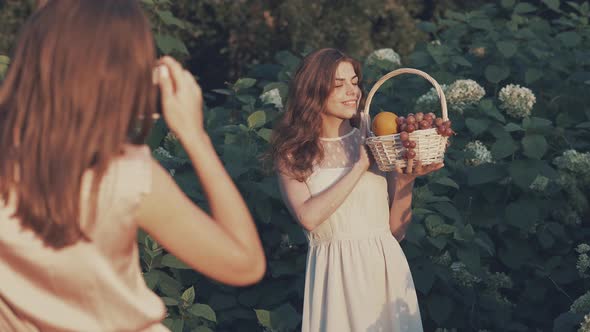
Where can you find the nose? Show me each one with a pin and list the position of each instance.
(350, 89)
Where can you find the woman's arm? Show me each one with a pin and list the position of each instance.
(310, 211)
(224, 245)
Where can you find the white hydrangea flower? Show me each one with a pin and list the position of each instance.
(585, 325)
(444, 259)
(462, 276)
(540, 183)
(480, 152)
(163, 153)
(463, 93)
(460, 94)
(582, 265)
(576, 163)
(517, 101)
(272, 97)
(582, 304)
(385, 54)
(582, 248)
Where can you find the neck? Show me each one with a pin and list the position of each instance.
(333, 127)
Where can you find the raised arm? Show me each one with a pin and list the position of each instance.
(225, 245)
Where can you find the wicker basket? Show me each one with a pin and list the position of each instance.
(388, 150)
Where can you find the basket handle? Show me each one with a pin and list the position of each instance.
(439, 91)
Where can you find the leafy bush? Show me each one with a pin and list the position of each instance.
(494, 234)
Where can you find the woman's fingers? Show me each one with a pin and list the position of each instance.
(410, 166)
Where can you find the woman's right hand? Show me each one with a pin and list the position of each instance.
(182, 99)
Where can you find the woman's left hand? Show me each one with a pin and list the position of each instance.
(415, 169)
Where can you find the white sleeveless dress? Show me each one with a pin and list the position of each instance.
(357, 276)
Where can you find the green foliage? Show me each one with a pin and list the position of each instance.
(493, 234)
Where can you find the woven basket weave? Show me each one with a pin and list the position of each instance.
(388, 150)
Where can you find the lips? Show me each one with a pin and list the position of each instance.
(350, 102)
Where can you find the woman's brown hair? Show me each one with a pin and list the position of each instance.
(295, 143)
(79, 80)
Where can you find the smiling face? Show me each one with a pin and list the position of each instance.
(343, 101)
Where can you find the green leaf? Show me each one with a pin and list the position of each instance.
(490, 110)
(495, 74)
(177, 325)
(536, 123)
(263, 317)
(171, 261)
(169, 19)
(462, 61)
(522, 214)
(256, 119)
(552, 4)
(221, 301)
(202, 328)
(507, 48)
(569, 38)
(244, 83)
(524, 7)
(188, 296)
(168, 44)
(532, 75)
(510, 127)
(534, 146)
(439, 308)
(508, 3)
(445, 181)
(426, 26)
(424, 277)
(283, 318)
(485, 173)
(203, 311)
(151, 279)
(169, 301)
(523, 172)
(448, 210)
(470, 258)
(168, 285)
(477, 126)
(265, 134)
(503, 148)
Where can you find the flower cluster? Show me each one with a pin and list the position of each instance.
(540, 183)
(460, 95)
(582, 304)
(576, 163)
(272, 97)
(583, 264)
(462, 276)
(444, 259)
(585, 325)
(517, 101)
(480, 153)
(384, 55)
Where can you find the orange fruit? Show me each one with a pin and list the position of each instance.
(384, 124)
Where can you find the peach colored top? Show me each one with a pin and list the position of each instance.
(89, 286)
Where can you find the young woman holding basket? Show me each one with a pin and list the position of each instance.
(353, 215)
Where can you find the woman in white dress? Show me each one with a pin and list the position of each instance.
(353, 215)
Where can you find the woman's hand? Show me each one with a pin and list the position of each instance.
(412, 171)
(182, 99)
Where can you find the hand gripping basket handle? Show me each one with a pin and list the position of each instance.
(441, 95)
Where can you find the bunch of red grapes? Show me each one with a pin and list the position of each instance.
(419, 121)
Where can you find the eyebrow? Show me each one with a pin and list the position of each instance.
(344, 79)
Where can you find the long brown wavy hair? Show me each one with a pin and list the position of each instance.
(79, 81)
(295, 143)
